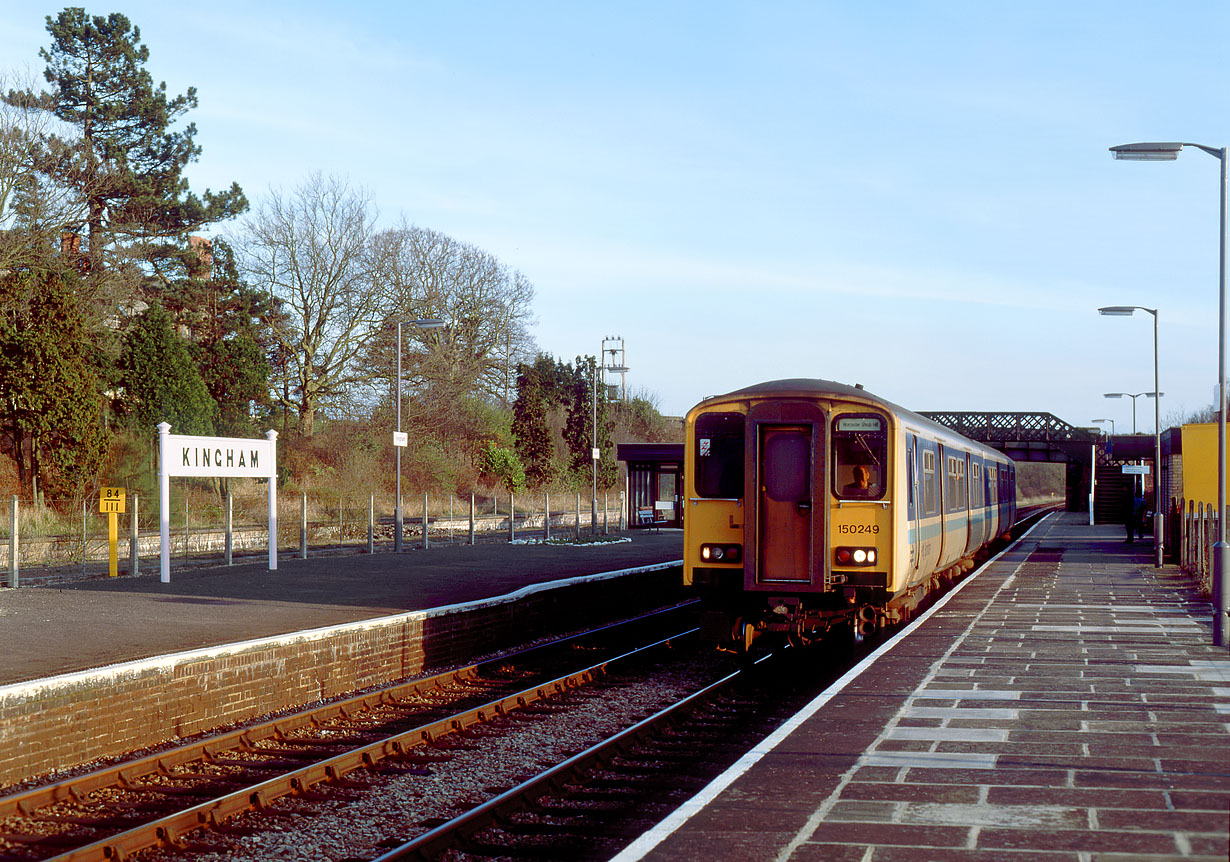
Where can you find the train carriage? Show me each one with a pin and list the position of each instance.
(813, 505)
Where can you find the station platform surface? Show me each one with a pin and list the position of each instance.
(76, 625)
(1066, 703)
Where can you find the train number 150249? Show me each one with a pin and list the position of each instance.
(858, 528)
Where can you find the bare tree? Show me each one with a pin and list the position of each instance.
(312, 251)
(484, 305)
(35, 211)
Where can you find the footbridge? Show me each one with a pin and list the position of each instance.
(1032, 436)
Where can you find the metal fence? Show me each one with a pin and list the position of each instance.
(1193, 530)
(43, 549)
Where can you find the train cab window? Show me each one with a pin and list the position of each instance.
(860, 448)
(719, 455)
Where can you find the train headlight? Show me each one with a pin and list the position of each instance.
(855, 556)
(715, 553)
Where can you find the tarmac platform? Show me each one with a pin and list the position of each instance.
(73, 626)
(1065, 703)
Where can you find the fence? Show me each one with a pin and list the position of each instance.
(1192, 530)
(210, 535)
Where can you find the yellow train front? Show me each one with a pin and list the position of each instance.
(815, 507)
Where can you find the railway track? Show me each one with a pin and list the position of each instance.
(587, 806)
(157, 800)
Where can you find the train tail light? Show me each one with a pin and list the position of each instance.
(715, 553)
(855, 556)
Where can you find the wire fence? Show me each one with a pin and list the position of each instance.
(45, 545)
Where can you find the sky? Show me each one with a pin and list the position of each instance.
(914, 196)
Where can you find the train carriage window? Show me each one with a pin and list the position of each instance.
(719, 455)
(955, 497)
(860, 448)
(975, 484)
(930, 507)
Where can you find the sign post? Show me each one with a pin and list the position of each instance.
(111, 501)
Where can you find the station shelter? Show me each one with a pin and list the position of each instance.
(654, 483)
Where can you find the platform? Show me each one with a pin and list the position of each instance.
(1065, 703)
(83, 624)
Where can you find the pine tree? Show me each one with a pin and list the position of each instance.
(131, 164)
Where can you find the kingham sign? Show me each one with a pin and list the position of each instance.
(215, 457)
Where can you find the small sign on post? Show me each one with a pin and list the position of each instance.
(111, 501)
(1135, 469)
(401, 438)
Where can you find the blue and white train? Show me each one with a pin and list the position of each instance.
(813, 506)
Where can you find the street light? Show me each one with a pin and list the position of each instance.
(399, 441)
(1111, 421)
(1158, 519)
(1133, 396)
(1157, 152)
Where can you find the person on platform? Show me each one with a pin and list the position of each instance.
(1134, 516)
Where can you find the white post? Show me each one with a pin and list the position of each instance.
(164, 503)
(134, 533)
(13, 546)
(273, 501)
(230, 526)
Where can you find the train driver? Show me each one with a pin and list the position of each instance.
(862, 486)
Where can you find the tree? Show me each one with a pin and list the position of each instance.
(129, 165)
(578, 429)
(160, 379)
(311, 250)
(484, 305)
(230, 326)
(537, 394)
(33, 210)
(51, 403)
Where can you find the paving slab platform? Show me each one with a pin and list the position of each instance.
(73, 626)
(1066, 703)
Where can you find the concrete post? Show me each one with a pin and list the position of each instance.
(371, 524)
(471, 519)
(425, 540)
(230, 527)
(303, 526)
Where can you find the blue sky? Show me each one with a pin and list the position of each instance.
(915, 196)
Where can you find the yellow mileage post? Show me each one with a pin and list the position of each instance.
(111, 501)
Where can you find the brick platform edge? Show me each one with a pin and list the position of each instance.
(65, 721)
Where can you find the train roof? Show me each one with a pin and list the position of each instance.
(809, 387)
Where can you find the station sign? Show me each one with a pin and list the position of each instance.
(1136, 469)
(401, 438)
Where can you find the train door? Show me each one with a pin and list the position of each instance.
(785, 503)
(914, 501)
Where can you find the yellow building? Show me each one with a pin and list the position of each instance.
(1200, 463)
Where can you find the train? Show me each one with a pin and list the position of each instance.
(816, 509)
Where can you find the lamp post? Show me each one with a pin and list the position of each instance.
(1165, 152)
(1134, 396)
(1111, 421)
(1158, 518)
(399, 441)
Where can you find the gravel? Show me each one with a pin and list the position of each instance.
(344, 825)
